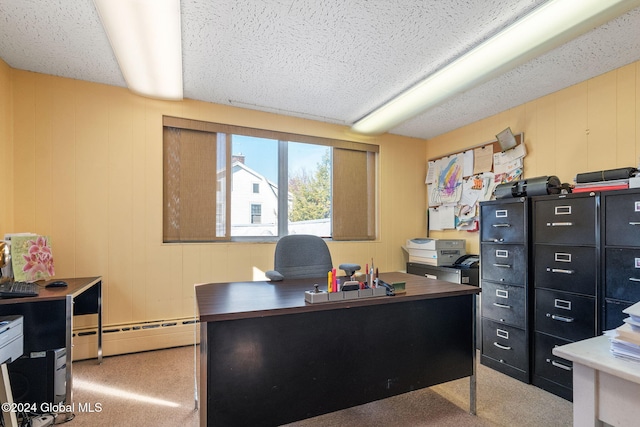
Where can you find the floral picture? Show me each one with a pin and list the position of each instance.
(32, 258)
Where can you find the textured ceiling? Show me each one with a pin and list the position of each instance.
(327, 60)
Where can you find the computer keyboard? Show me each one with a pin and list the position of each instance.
(18, 290)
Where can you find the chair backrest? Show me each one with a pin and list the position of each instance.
(302, 255)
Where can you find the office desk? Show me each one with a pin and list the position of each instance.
(605, 388)
(48, 318)
(269, 358)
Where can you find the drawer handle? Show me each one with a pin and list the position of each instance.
(561, 318)
(634, 223)
(503, 347)
(501, 225)
(497, 240)
(559, 224)
(497, 304)
(502, 265)
(633, 279)
(562, 270)
(560, 365)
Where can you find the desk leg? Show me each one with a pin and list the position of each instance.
(204, 360)
(585, 396)
(472, 379)
(69, 342)
(9, 417)
(99, 322)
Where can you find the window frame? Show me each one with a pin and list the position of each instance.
(283, 138)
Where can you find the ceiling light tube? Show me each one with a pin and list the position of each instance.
(547, 27)
(146, 38)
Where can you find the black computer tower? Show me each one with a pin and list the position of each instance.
(39, 377)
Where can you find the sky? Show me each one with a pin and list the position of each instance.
(261, 155)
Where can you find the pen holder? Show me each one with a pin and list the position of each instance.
(379, 291)
(365, 293)
(313, 297)
(336, 296)
(350, 294)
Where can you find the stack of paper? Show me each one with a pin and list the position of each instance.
(625, 340)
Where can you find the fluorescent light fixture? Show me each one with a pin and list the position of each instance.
(547, 27)
(146, 39)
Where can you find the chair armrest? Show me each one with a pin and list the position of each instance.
(274, 276)
(349, 269)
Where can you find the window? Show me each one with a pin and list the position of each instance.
(223, 182)
(256, 214)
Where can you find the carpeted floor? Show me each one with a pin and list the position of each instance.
(158, 389)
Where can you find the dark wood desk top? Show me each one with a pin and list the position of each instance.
(75, 286)
(241, 300)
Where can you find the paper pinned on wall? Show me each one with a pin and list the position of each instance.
(431, 172)
(482, 159)
(471, 192)
(505, 162)
(442, 217)
(468, 163)
(449, 178)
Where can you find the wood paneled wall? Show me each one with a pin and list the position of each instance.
(83, 164)
(87, 171)
(6, 146)
(591, 126)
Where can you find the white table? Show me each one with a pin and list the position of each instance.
(605, 388)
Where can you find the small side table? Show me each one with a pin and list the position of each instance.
(605, 388)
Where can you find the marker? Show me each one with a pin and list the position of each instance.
(329, 282)
(366, 273)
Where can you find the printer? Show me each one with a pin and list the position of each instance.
(435, 252)
(11, 338)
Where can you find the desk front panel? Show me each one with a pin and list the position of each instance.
(44, 322)
(278, 369)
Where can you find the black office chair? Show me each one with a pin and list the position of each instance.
(303, 255)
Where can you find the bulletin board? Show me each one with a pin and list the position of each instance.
(459, 181)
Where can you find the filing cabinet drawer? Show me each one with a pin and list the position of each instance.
(504, 303)
(613, 315)
(622, 219)
(565, 315)
(566, 268)
(505, 344)
(568, 220)
(622, 274)
(503, 222)
(504, 263)
(552, 367)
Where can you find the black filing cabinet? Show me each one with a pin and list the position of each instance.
(506, 291)
(621, 253)
(566, 254)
